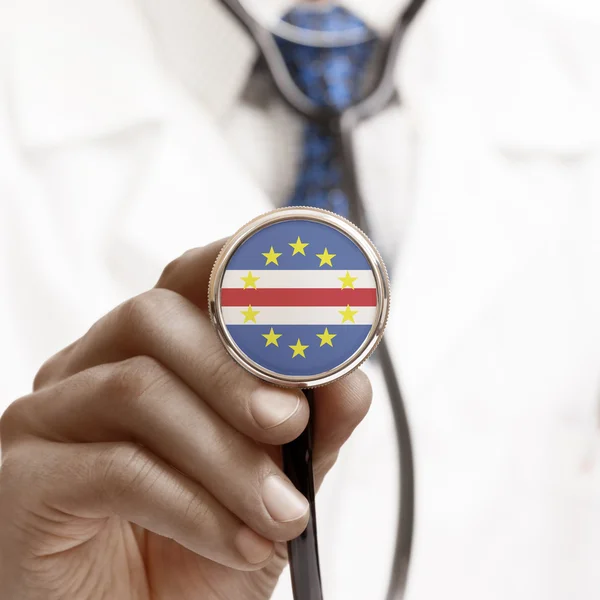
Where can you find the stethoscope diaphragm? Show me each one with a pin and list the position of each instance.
(299, 297)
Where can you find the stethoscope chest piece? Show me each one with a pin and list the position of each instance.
(299, 297)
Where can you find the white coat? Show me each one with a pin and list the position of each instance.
(131, 130)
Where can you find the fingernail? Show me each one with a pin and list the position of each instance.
(271, 408)
(252, 547)
(283, 501)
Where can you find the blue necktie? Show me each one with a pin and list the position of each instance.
(330, 77)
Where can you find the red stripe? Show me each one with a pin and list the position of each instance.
(298, 297)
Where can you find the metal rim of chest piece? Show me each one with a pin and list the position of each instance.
(341, 225)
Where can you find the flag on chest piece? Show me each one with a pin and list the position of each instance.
(301, 298)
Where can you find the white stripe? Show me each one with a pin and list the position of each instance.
(298, 279)
(294, 315)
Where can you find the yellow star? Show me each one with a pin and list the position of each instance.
(347, 281)
(326, 337)
(298, 247)
(271, 256)
(347, 314)
(249, 281)
(326, 258)
(272, 338)
(250, 315)
(298, 349)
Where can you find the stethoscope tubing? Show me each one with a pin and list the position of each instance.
(297, 456)
(381, 94)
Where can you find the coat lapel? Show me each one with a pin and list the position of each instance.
(192, 191)
(476, 225)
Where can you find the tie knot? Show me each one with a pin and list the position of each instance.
(329, 75)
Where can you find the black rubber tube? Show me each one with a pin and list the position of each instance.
(303, 551)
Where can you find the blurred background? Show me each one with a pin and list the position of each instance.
(133, 130)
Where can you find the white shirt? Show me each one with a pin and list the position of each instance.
(128, 134)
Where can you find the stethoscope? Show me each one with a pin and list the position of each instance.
(303, 552)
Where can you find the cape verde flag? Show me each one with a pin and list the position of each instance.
(298, 297)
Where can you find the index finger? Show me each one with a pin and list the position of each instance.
(188, 275)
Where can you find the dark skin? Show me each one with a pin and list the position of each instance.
(146, 463)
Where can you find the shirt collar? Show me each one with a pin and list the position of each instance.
(81, 69)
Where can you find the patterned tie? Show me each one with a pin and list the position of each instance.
(330, 77)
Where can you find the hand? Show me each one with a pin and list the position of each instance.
(145, 464)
